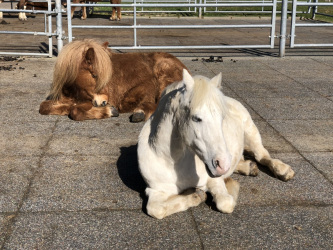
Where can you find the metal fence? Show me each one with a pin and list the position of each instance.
(135, 27)
(216, 9)
(154, 10)
(295, 24)
(197, 6)
(47, 32)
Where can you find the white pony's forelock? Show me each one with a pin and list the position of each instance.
(206, 93)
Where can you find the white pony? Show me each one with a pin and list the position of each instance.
(192, 144)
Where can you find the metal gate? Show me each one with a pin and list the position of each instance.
(48, 33)
(295, 24)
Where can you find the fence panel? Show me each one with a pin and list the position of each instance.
(138, 6)
(295, 24)
(135, 27)
(47, 26)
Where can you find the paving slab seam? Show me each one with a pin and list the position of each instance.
(110, 210)
(318, 170)
(302, 155)
(63, 211)
(9, 227)
(289, 205)
(298, 119)
(267, 121)
(322, 62)
(196, 227)
(298, 81)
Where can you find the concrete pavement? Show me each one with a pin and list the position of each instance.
(76, 185)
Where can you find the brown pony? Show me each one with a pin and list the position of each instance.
(84, 9)
(92, 82)
(26, 4)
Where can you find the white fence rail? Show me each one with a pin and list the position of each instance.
(135, 5)
(295, 24)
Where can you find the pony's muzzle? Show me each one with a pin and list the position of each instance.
(100, 100)
(102, 104)
(221, 166)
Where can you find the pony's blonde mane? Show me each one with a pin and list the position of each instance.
(206, 93)
(69, 62)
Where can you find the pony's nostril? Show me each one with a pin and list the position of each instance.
(104, 103)
(95, 103)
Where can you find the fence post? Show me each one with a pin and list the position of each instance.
(59, 25)
(314, 9)
(134, 24)
(48, 20)
(200, 9)
(283, 28)
(69, 21)
(293, 24)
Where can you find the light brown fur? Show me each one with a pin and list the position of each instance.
(91, 82)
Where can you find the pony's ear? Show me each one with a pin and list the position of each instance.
(105, 45)
(217, 80)
(187, 79)
(90, 56)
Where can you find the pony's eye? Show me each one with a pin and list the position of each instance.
(196, 118)
(94, 76)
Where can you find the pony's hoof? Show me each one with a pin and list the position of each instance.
(114, 112)
(196, 196)
(226, 204)
(201, 194)
(288, 175)
(282, 171)
(254, 170)
(138, 117)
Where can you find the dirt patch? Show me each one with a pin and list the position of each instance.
(4, 22)
(11, 59)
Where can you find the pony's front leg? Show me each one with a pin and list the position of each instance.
(84, 13)
(143, 112)
(224, 192)
(86, 111)
(72, 12)
(21, 6)
(253, 144)
(22, 16)
(161, 204)
(49, 107)
(118, 14)
(247, 167)
(113, 15)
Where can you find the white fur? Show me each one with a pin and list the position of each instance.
(22, 15)
(175, 147)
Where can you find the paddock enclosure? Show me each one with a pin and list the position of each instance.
(183, 25)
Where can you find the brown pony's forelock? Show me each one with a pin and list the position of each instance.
(69, 62)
